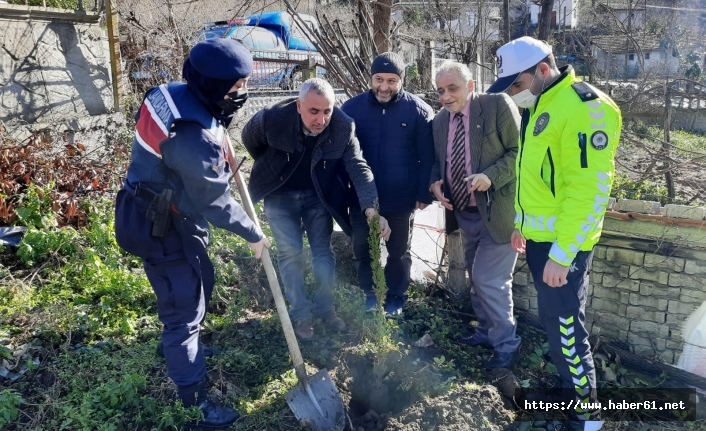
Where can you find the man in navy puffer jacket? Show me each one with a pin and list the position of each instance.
(395, 134)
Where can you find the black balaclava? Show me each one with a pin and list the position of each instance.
(210, 91)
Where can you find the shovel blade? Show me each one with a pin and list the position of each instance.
(325, 394)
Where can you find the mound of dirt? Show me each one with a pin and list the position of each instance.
(478, 408)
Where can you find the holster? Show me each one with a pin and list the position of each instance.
(159, 209)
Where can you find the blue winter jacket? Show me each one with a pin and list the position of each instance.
(179, 145)
(396, 139)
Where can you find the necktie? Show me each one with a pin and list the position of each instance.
(459, 192)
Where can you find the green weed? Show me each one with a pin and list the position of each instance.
(35, 207)
(9, 403)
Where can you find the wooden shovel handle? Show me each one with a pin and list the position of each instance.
(274, 285)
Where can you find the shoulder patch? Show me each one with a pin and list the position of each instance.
(585, 91)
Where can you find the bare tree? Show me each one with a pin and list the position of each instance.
(545, 19)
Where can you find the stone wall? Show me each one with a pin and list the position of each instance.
(55, 73)
(648, 276)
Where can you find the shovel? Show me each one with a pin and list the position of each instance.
(315, 400)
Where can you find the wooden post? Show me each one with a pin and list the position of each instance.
(309, 70)
(426, 65)
(114, 47)
(456, 284)
(668, 178)
(382, 16)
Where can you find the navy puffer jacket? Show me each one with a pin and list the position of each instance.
(396, 139)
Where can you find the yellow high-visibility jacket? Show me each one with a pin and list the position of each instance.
(565, 166)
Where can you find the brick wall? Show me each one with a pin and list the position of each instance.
(648, 276)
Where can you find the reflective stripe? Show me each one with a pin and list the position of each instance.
(156, 118)
(145, 145)
(170, 101)
(559, 255)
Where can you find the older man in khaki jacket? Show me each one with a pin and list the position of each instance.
(475, 143)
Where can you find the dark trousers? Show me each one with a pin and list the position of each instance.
(291, 213)
(399, 260)
(183, 283)
(562, 311)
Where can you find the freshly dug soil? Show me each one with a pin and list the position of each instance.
(480, 408)
(406, 393)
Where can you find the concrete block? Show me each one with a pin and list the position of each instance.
(625, 256)
(693, 296)
(599, 252)
(674, 345)
(667, 356)
(684, 211)
(681, 308)
(648, 288)
(608, 320)
(648, 301)
(533, 303)
(605, 305)
(686, 280)
(611, 204)
(650, 315)
(676, 320)
(675, 335)
(520, 278)
(695, 267)
(603, 266)
(595, 277)
(610, 280)
(521, 303)
(640, 345)
(625, 297)
(606, 293)
(664, 262)
(651, 328)
(589, 290)
(624, 271)
(634, 206)
(640, 273)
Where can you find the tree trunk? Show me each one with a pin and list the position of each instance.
(505, 36)
(382, 14)
(545, 20)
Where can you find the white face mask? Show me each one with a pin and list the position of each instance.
(525, 99)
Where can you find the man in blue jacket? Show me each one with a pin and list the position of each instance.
(395, 133)
(177, 183)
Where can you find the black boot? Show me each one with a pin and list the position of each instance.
(207, 351)
(215, 415)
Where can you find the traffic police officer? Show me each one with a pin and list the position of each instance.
(177, 183)
(565, 168)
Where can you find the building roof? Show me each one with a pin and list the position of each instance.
(622, 4)
(616, 43)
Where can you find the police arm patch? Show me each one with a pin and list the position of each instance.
(599, 140)
(541, 123)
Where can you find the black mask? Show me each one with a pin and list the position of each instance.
(235, 101)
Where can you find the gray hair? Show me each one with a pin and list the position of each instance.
(320, 86)
(449, 67)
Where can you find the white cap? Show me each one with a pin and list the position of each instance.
(515, 57)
